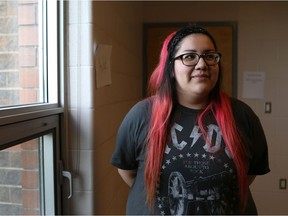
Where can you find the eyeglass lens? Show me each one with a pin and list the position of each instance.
(192, 59)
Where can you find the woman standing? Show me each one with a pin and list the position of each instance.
(189, 148)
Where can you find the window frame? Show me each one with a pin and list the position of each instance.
(16, 115)
(26, 122)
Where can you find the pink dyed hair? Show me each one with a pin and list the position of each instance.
(161, 87)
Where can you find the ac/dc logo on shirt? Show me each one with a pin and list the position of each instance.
(212, 131)
(194, 174)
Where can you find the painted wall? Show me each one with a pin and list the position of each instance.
(95, 113)
(117, 24)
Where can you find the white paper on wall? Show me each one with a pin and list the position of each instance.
(103, 65)
(253, 85)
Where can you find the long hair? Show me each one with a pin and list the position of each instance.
(162, 87)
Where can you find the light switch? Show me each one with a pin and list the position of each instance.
(283, 184)
(268, 107)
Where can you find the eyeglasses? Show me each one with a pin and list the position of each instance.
(192, 59)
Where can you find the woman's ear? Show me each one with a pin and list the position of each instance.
(172, 74)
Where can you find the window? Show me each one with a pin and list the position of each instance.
(23, 52)
(31, 107)
(23, 168)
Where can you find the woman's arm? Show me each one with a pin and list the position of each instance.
(128, 176)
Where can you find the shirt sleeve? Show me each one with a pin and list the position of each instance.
(254, 137)
(259, 163)
(131, 138)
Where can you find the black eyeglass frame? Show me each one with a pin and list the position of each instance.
(200, 56)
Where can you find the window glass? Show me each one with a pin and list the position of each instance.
(21, 78)
(25, 175)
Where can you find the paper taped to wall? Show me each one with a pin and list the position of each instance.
(103, 65)
(253, 85)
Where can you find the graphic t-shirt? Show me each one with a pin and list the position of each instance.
(195, 178)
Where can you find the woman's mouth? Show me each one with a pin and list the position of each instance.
(200, 76)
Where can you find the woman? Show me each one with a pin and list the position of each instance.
(189, 148)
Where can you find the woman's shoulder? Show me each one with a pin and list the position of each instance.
(142, 106)
(238, 104)
(242, 111)
(139, 111)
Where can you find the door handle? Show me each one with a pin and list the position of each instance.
(68, 175)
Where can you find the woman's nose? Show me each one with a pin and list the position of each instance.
(201, 64)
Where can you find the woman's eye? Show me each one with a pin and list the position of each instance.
(189, 56)
(209, 57)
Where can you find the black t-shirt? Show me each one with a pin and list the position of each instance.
(194, 178)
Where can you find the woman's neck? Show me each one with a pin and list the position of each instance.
(192, 102)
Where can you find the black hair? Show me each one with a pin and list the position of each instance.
(183, 32)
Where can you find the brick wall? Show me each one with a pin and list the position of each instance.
(19, 84)
(19, 63)
(9, 73)
(19, 180)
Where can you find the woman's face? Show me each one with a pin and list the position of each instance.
(194, 83)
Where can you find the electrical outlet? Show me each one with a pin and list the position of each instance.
(283, 184)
